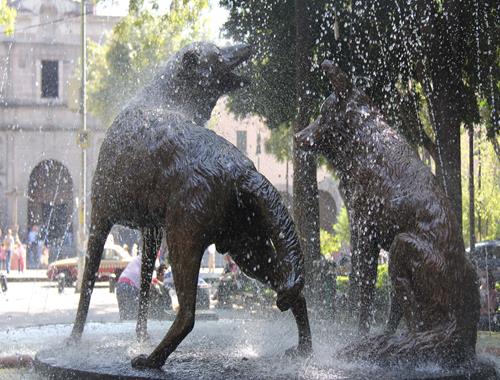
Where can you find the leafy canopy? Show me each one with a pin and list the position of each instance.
(7, 17)
(137, 46)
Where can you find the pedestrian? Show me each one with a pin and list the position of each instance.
(8, 244)
(20, 253)
(160, 302)
(211, 258)
(488, 299)
(39, 253)
(32, 246)
(128, 288)
(2, 253)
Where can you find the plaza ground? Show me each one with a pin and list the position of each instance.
(33, 301)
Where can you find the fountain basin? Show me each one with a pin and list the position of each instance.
(223, 349)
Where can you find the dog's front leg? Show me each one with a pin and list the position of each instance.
(185, 262)
(299, 310)
(151, 238)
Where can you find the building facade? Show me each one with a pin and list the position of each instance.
(40, 159)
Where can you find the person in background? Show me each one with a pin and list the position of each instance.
(20, 253)
(160, 302)
(32, 247)
(40, 250)
(44, 259)
(8, 244)
(135, 250)
(211, 258)
(3, 265)
(488, 297)
(128, 289)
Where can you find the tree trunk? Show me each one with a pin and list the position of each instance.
(305, 187)
(472, 224)
(448, 165)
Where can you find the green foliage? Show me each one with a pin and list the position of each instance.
(384, 45)
(342, 284)
(280, 143)
(7, 17)
(487, 197)
(382, 277)
(138, 44)
(269, 26)
(342, 228)
(382, 284)
(329, 243)
(423, 63)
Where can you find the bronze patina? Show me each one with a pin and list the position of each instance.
(395, 203)
(161, 171)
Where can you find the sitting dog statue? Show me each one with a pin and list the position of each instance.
(395, 203)
(160, 169)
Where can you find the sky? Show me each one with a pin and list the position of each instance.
(217, 15)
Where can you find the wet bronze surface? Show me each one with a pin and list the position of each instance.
(395, 203)
(161, 171)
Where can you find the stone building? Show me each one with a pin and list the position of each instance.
(40, 160)
(250, 135)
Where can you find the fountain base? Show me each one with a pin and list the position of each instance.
(190, 366)
(224, 349)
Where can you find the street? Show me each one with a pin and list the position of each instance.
(38, 303)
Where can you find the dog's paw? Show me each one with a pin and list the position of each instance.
(298, 352)
(143, 337)
(143, 362)
(72, 340)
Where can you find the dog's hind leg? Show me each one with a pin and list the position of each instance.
(403, 254)
(299, 310)
(151, 238)
(368, 260)
(99, 230)
(395, 314)
(185, 257)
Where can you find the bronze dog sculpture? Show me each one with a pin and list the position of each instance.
(394, 202)
(159, 168)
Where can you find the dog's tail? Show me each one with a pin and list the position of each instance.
(282, 232)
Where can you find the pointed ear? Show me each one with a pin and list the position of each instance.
(190, 60)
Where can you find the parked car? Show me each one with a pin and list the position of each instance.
(487, 256)
(114, 260)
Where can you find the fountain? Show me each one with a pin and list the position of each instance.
(152, 147)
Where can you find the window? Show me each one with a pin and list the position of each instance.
(241, 141)
(50, 79)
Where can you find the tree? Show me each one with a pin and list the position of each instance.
(341, 235)
(138, 44)
(280, 144)
(440, 56)
(424, 64)
(487, 194)
(7, 17)
(284, 91)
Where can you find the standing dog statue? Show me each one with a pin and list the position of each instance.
(159, 168)
(395, 203)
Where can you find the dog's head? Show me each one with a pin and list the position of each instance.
(325, 131)
(200, 73)
(205, 66)
(320, 134)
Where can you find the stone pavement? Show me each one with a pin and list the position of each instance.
(33, 275)
(29, 275)
(39, 303)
